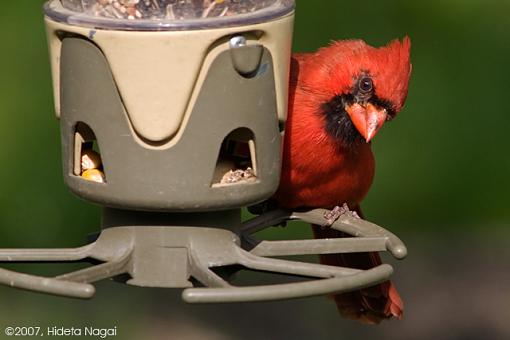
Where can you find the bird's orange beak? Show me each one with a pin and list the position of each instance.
(368, 118)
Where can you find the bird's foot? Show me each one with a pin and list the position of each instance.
(332, 215)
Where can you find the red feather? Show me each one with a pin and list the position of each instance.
(319, 170)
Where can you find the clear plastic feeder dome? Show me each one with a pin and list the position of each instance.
(148, 15)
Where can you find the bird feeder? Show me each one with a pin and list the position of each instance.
(170, 115)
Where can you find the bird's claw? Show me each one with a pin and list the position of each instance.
(332, 215)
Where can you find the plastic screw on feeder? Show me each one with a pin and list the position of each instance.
(237, 41)
(204, 102)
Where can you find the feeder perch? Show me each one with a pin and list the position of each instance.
(177, 109)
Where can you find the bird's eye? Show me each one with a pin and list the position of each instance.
(365, 84)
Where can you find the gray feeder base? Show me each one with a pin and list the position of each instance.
(167, 250)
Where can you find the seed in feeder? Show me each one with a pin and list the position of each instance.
(171, 9)
(236, 176)
(170, 12)
(155, 4)
(94, 175)
(129, 2)
(208, 10)
(90, 160)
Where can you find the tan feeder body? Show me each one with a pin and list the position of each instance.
(171, 116)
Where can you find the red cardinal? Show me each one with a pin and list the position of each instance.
(339, 97)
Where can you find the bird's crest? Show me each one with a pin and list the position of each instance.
(341, 63)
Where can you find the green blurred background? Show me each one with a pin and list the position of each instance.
(442, 183)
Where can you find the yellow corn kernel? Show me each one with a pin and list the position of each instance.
(94, 175)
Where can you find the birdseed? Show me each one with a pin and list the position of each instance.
(166, 9)
(238, 175)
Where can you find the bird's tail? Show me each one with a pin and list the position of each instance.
(369, 305)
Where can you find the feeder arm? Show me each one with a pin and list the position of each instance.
(168, 255)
